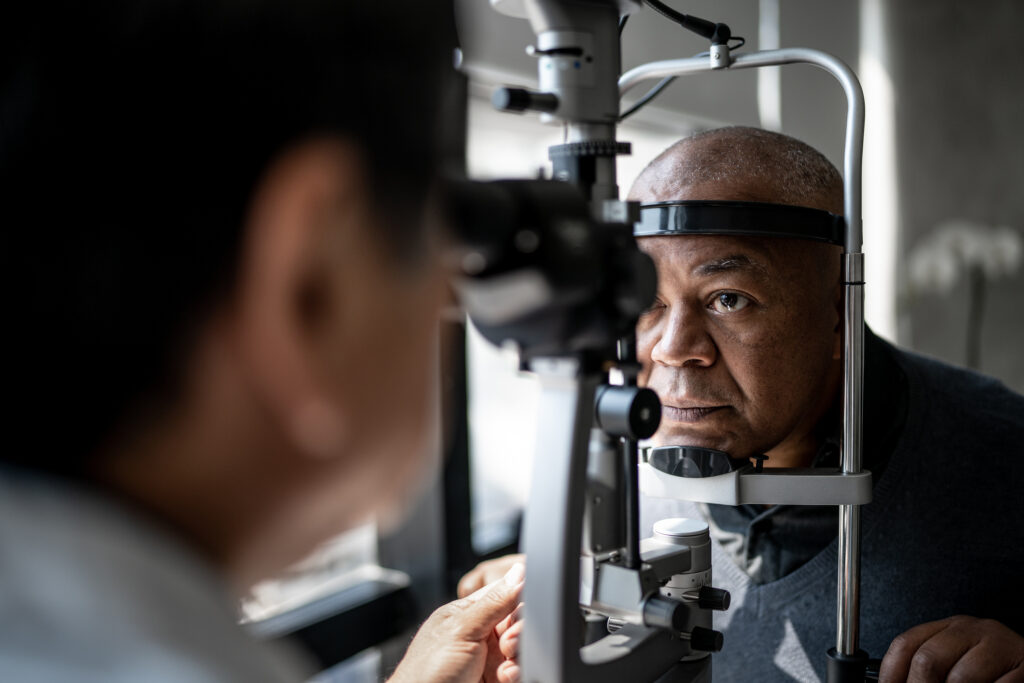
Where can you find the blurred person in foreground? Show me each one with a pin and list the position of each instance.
(743, 346)
(221, 290)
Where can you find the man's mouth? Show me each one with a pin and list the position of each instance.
(691, 414)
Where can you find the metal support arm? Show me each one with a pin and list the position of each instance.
(848, 610)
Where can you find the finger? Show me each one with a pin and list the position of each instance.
(509, 640)
(466, 602)
(509, 672)
(936, 656)
(494, 660)
(986, 661)
(895, 665)
(517, 615)
(469, 600)
(505, 623)
(470, 583)
(473, 581)
(487, 572)
(1013, 676)
(495, 569)
(481, 611)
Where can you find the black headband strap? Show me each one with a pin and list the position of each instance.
(699, 217)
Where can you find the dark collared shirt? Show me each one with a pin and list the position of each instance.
(769, 543)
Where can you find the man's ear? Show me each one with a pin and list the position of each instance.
(287, 294)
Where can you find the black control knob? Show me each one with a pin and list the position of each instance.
(632, 412)
(519, 100)
(713, 598)
(666, 613)
(706, 639)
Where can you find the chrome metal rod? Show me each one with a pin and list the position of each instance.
(853, 361)
(630, 460)
(848, 611)
(848, 584)
(667, 67)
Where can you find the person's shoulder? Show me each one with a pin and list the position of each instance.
(962, 393)
(90, 593)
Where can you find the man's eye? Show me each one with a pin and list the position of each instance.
(653, 308)
(729, 302)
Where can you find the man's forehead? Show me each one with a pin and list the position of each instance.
(696, 250)
(656, 187)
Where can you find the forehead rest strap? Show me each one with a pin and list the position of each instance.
(751, 219)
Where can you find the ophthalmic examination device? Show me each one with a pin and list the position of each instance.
(552, 267)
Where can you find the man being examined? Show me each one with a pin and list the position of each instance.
(743, 346)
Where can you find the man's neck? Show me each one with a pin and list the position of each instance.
(202, 469)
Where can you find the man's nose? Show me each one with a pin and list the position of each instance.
(685, 340)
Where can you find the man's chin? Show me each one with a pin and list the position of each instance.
(727, 443)
(699, 441)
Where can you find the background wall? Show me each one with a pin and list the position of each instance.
(958, 69)
(944, 83)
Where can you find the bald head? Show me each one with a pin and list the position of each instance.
(742, 164)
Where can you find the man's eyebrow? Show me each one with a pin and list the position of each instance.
(729, 263)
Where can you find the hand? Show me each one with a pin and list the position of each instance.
(956, 649)
(487, 572)
(458, 643)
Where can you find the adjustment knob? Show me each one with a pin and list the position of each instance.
(519, 100)
(666, 613)
(631, 412)
(713, 598)
(706, 639)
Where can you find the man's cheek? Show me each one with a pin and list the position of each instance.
(643, 356)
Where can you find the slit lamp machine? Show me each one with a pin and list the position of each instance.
(553, 267)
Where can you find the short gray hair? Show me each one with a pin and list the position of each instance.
(797, 173)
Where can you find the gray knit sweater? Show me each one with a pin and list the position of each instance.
(943, 536)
